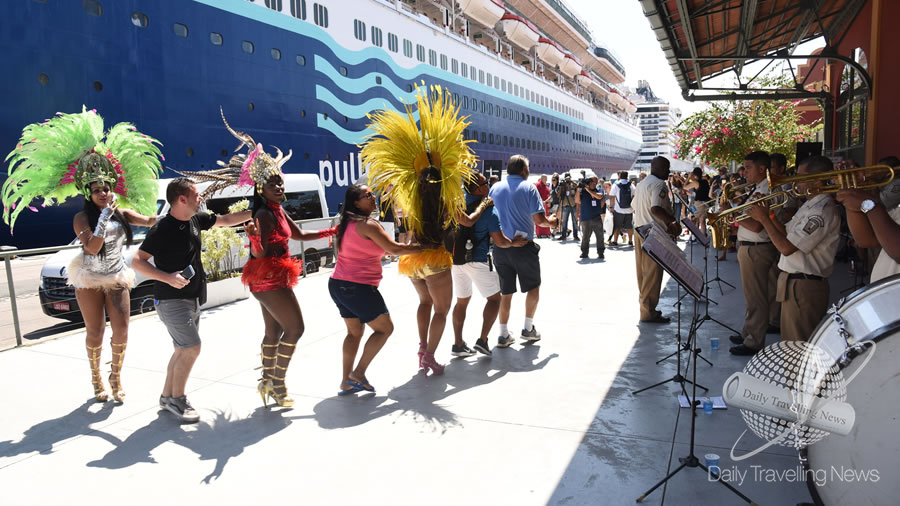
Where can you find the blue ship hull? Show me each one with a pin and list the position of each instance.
(171, 88)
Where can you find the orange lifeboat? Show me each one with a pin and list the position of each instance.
(486, 12)
(550, 52)
(519, 30)
(571, 65)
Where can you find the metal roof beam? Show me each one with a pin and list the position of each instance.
(689, 36)
(748, 18)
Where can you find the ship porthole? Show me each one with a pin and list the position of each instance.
(250, 106)
(344, 71)
(43, 79)
(377, 79)
(224, 153)
(306, 156)
(190, 151)
(346, 119)
(98, 86)
(302, 113)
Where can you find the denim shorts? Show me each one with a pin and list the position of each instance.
(357, 300)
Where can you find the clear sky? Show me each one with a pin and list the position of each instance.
(621, 26)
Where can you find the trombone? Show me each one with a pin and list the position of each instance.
(719, 222)
(836, 180)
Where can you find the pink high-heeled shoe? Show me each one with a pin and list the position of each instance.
(428, 362)
(422, 348)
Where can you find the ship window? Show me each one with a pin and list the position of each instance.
(482, 106)
(456, 99)
(432, 58)
(454, 66)
(377, 40)
(320, 15)
(215, 38)
(392, 42)
(481, 76)
(302, 113)
(377, 79)
(247, 46)
(489, 80)
(491, 109)
(505, 140)
(43, 79)
(276, 53)
(409, 87)
(444, 62)
(528, 144)
(465, 99)
(465, 70)
(343, 71)
(497, 108)
(483, 138)
(301, 60)
(275, 5)
(517, 142)
(92, 7)
(251, 106)
(139, 19)
(325, 117)
(407, 48)
(420, 52)
(490, 138)
(98, 86)
(359, 30)
(503, 85)
(516, 89)
(298, 9)
(504, 112)
(190, 151)
(180, 30)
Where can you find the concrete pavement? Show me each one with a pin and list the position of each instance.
(554, 422)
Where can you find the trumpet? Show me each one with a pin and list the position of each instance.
(837, 180)
(729, 193)
(719, 222)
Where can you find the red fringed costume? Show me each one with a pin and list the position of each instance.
(271, 273)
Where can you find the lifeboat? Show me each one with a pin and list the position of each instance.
(486, 12)
(617, 99)
(571, 65)
(519, 31)
(549, 51)
(592, 84)
(630, 108)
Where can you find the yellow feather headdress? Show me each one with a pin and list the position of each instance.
(398, 151)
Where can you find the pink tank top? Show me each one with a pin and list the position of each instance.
(359, 260)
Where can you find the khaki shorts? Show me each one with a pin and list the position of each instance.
(486, 280)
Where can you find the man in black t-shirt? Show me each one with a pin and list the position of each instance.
(174, 245)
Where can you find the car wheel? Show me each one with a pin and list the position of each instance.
(142, 300)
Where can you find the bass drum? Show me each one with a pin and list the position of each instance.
(861, 467)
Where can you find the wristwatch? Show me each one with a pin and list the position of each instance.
(866, 206)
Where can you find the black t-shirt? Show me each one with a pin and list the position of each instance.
(702, 191)
(175, 244)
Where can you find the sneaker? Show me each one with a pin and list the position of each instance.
(180, 407)
(531, 335)
(482, 346)
(600, 255)
(612, 243)
(461, 351)
(163, 401)
(583, 255)
(505, 341)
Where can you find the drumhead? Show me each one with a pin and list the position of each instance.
(860, 468)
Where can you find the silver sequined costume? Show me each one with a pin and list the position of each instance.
(108, 272)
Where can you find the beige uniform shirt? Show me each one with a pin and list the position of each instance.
(744, 234)
(648, 193)
(885, 266)
(814, 230)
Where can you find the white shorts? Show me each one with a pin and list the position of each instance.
(487, 281)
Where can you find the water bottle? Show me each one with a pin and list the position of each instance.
(469, 247)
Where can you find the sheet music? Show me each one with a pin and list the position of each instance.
(703, 238)
(671, 257)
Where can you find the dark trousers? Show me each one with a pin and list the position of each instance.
(566, 212)
(588, 227)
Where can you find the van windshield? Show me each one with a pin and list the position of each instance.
(141, 232)
(302, 205)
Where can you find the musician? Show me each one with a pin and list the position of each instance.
(873, 224)
(650, 204)
(807, 243)
(758, 261)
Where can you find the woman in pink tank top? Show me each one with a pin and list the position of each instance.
(354, 284)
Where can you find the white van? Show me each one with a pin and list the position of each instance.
(304, 200)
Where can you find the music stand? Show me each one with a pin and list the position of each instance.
(691, 460)
(706, 317)
(654, 245)
(703, 239)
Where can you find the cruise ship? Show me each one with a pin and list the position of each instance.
(303, 74)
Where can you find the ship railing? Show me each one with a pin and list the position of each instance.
(21, 312)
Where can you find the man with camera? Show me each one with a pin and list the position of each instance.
(592, 203)
(567, 191)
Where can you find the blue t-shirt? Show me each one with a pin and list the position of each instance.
(517, 200)
(488, 222)
(590, 207)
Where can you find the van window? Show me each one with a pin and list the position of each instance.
(303, 205)
(220, 205)
(141, 232)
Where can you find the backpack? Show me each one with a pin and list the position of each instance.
(456, 239)
(623, 199)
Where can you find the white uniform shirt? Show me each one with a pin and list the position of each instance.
(885, 266)
(745, 234)
(814, 230)
(648, 193)
(614, 192)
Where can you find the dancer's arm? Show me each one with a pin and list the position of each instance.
(468, 220)
(138, 219)
(92, 243)
(298, 234)
(230, 220)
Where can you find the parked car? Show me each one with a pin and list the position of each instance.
(304, 200)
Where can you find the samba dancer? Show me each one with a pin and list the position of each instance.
(70, 155)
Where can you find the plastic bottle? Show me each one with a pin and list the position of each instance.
(469, 247)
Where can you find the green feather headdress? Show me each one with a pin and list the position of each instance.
(60, 157)
(398, 151)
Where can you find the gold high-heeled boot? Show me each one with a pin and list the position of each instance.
(278, 390)
(268, 368)
(115, 383)
(93, 352)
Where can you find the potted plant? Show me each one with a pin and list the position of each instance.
(223, 249)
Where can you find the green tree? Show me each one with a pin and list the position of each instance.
(727, 131)
(222, 247)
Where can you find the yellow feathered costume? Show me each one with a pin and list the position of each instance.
(401, 158)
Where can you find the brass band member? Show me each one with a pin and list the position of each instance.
(873, 224)
(651, 203)
(758, 259)
(808, 243)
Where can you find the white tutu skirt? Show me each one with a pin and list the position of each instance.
(79, 277)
